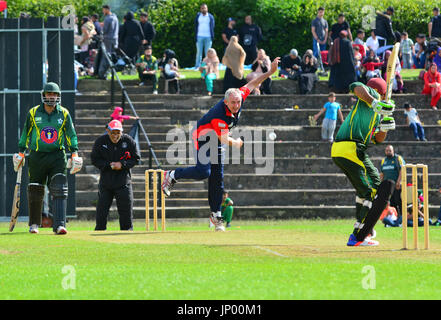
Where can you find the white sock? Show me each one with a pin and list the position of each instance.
(218, 214)
(172, 174)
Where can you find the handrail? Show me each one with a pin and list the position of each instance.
(152, 154)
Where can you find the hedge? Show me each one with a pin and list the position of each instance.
(45, 8)
(285, 23)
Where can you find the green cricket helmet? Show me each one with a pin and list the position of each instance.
(51, 87)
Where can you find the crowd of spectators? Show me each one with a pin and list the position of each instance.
(348, 59)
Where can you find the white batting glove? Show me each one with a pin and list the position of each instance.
(388, 123)
(19, 160)
(385, 108)
(75, 163)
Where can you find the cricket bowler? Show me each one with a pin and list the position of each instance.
(45, 131)
(362, 127)
(215, 126)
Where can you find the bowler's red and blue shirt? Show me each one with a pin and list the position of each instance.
(218, 119)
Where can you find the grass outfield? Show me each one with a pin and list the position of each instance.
(297, 259)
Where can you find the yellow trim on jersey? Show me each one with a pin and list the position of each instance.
(352, 117)
(32, 112)
(371, 127)
(60, 132)
(347, 150)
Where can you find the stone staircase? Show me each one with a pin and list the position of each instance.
(305, 183)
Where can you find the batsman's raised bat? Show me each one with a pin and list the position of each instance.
(16, 202)
(390, 71)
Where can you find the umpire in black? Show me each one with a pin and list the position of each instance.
(115, 153)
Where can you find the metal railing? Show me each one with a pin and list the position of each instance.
(125, 97)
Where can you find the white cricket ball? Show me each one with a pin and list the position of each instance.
(272, 136)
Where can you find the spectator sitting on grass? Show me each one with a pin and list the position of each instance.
(290, 65)
(308, 76)
(372, 64)
(147, 66)
(210, 69)
(171, 69)
(414, 122)
(419, 59)
(117, 115)
(390, 217)
(331, 110)
(259, 67)
(227, 208)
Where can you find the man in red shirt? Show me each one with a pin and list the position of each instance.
(215, 125)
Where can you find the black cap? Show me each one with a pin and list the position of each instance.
(391, 9)
(147, 47)
(407, 105)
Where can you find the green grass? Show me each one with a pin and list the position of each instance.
(299, 259)
(407, 74)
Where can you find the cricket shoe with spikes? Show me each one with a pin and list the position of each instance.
(217, 221)
(33, 229)
(368, 242)
(61, 230)
(168, 183)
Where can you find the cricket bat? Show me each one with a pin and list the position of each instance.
(16, 202)
(390, 70)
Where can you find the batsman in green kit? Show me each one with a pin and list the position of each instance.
(362, 127)
(47, 128)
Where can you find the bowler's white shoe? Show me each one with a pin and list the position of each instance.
(168, 183)
(33, 229)
(217, 221)
(61, 230)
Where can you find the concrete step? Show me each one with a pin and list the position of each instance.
(102, 121)
(244, 212)
(256, 197)
(242, 181)
(274, 101)
(296, 149)
(323, 165)
(94, 131)
(292, 133)
(252, 116)
(279, 86)
(90, 182)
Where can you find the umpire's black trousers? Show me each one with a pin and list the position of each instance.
(124, 203)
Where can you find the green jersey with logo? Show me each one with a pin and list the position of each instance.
(361, 123)
(390, 167)
(151, 64)
(48, 132)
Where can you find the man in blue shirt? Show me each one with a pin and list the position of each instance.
(209, 136)
(204, 30)
(390, 169)
(331, 110)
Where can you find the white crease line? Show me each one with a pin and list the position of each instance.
(271, 251)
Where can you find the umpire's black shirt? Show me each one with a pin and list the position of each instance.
(105, 151)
